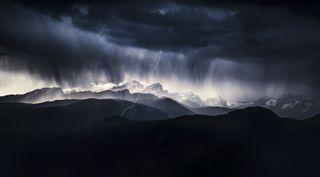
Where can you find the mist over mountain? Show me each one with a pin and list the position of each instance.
(290, 105)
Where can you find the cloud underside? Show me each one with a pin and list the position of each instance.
(261, 45)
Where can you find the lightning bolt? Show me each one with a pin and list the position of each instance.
(138, 95)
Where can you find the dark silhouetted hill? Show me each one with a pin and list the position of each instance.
(211, 110)
(243, 143)
(171, 107)
(69, 115)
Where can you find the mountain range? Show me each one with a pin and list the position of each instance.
(290, 105)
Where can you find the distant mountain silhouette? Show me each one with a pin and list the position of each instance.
(171, 107)
(69, 115)
(166, 105)
(290, 105)
(211, 110)
(294, 106)
(38, 95)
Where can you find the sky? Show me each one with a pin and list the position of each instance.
(231, 49)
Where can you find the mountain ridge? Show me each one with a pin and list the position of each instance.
(289, 105)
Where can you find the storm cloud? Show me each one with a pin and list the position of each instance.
(255, 43)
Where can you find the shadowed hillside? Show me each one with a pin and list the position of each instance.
(68, 115)
(248, 142)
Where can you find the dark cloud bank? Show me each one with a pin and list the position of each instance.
(276, 42)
